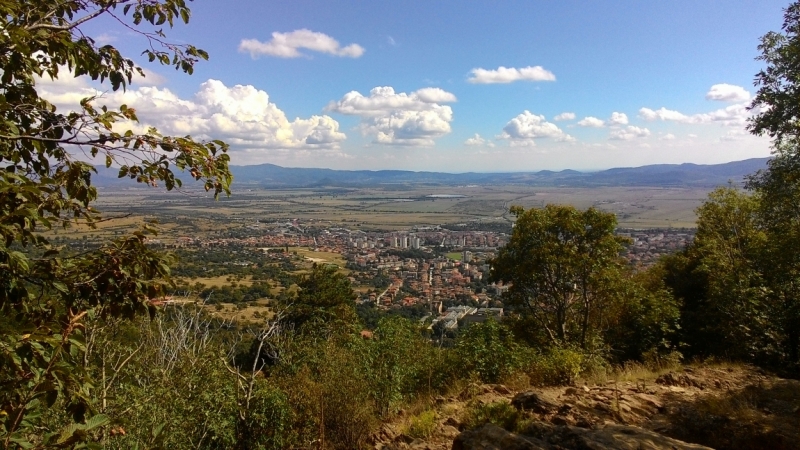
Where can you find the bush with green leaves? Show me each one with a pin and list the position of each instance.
(399, 362)
(558, 366)
(489, 351)
(422, 425)
(328, 390)
(643, 319)
(164, 382)
(500, 413)
(269, 422)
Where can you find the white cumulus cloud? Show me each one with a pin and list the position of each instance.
(618, 118)
(510, 74)
(435, 95)
(663, 114)
(564, 116)
(478, 141)
(591, 122)
(732, 115)
(288, 45)
(105, 38)
(414, 119)
(735, 115)
(527, 127)
(243, 116)
(727, 93)
(628, 133)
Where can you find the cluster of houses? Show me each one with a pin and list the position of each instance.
(647, 246)
(418, 276)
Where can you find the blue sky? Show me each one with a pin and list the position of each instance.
(418, 85)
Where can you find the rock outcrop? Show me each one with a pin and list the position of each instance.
(552, 437)
(492, 437)
(737, 407)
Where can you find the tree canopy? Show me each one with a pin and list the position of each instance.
(560, 262)
(775, 102)
(325, 302)
(46, 166)
(778, 187)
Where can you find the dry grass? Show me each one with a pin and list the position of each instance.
(762, 416)
(632, 371)
(230, 312)
(517, 381)
(422, 425)
(222, 280)
(320, 257)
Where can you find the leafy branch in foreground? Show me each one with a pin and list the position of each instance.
(45, 181)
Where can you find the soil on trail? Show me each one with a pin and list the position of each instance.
(733, 407)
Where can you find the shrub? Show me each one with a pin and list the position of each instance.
(656, 360)
(517, 381)
(346, 409)
(499, 413)
(268, 424)
(559, 366)
(398, 362)
(489, 350)
(422, 425)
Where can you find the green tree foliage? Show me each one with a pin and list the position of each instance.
(778, 188)
(729, 245)
(643, 319)
(735, 281)
(489, 351)
(739, 280)
(396, 362)
(44, 185)
(775, 103)
(689, 288)
(324, 304)
(562, 263)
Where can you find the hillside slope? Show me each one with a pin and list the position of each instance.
(733, 407)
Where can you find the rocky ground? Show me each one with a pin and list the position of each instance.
(731, 407)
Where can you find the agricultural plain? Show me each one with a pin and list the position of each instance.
(387, 208)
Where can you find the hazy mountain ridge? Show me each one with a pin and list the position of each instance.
(270, 175)
(672, 175)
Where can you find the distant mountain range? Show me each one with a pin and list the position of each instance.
(269, 175)
(658, 175)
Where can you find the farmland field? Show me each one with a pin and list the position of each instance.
(396, 207)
